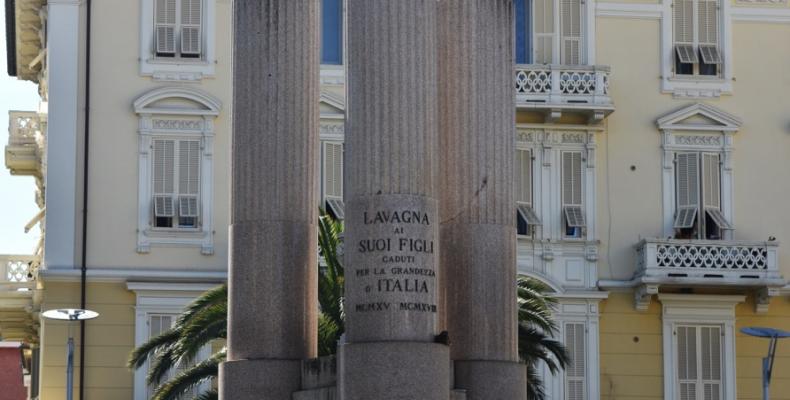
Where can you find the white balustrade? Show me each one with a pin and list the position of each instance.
(23, 127)
(558, 84)
(17, 268)
(735, 262)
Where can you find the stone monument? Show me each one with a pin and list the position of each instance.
(430, 236)
(273, 282)
(392, 225)
(477, 205)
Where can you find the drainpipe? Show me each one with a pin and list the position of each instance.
(86, 151)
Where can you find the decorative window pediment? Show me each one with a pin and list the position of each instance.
(699, 117)
(176, 100)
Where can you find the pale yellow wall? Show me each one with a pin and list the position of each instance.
(751, 350)
(760, 161)
(110, 338)
(116, 83)
(629, 369)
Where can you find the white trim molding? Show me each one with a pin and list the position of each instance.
(762, 14)
(629, 10)
(696, 309)
(124, 274)
(177, 69)
(185, 113)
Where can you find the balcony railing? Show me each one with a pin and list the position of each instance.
(25, 151)
(720, 262)
(18, 300)
(558, 87)
(18, 270)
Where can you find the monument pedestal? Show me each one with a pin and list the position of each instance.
(394, 370)
(491, 380)
(259, 379)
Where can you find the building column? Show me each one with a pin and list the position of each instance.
(392, 247)
(272, 304)
(64, 136)
(477, 234)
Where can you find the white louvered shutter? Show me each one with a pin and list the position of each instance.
(572, 188)
(524, 187)
(188, 178)
(710, 362)
(686, 189)
(571, 39)
(543, 23)
(333, 170)
(164, 177)
(158, 324)
(576, 370)
(191, 32)
(165, 25)
(687, 362)
(683, 20)
(711, 190)
(708, 31)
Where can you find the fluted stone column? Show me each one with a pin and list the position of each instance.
(272, 316)
(478, 238)
(391, 215)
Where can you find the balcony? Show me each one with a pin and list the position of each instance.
(701, 263)
(24, 154)
(18, 297)
(557, 89)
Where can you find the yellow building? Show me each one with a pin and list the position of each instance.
(652, 150)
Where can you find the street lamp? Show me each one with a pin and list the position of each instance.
(70, 315)
(768, 361)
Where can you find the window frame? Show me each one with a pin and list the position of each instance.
(523, 215)
(332, 203)
(696, 310)
(701, 211)
(177, 68)
(696, 86)
(195, 123)
(573, 213)
(586, 33)
(176, 196)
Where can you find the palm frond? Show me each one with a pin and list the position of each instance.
(327, 335)
(161, 364)
(150, 348)
(534, 346)
(182, 383)
(535, 387)
(331, 276)
(210, 395)
(218, 295)
(208, 325)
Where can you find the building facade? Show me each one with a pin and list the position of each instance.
(651, 154)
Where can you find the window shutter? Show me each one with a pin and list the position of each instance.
(571, 22)
(572, 178)
(683, 18)
(708, 21)
(188, 167)
(333, 170)
(686, 189)
(165, 26)
(711, 194)
(190, 27)
(710, 343)
(544, 31)
(163, 177)
(576, 370)
(687, 362)
(524, 176)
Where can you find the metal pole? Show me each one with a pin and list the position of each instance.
(70, 368)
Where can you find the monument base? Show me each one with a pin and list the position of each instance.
(394, 370)
(491, 380)
(259, 379)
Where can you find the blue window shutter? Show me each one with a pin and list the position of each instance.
(523, 32)
(332, 32)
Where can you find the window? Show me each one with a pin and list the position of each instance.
(572, 205)
(332, 32)
(158, 324)
(699, 355)
(332, 178)
(550, 32)
(696, 32)
(698, 196)
(178, 28)
(176, 183)
(575, 372)
(175, 168)
(526, 218)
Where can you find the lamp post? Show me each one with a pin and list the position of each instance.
(768, 361)
(70, 315)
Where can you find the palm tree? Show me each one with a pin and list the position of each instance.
(535, 328)
(205, 320)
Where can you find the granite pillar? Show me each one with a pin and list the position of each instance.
(272, 304)
(477, 207)
(391, 195)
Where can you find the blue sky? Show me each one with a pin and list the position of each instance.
(17, 193)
